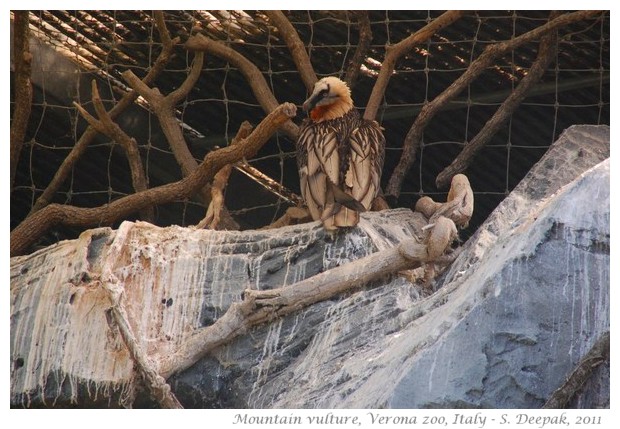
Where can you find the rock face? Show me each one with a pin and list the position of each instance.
(523, 303)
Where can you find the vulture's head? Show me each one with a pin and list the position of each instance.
(330, 99)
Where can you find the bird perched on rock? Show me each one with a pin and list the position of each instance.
(340, 156)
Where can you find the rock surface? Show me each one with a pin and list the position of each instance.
(525, 300)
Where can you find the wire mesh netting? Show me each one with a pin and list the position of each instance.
(70, 49)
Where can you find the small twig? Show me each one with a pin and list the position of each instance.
(23, 87)
(213, 216)
(253, 75)
(546, 53)
(296, 46)
(108, 127)
(261, 306)
(363, 44)
(29, 230)
(414, 136)
(396, 51)
(598, 354)
(89, 135)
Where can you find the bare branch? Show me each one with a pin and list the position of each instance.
(82, 144)
(414, 136)
(181, 92)
(296, 46)
(23, 87)
(262, 306)
(396, 51)
(36, 224)
(598, 354)
(164, 35)
(106, 126)
(163, 107)
(216, 206)
(363, 44)
(253, 75)
(546, 53)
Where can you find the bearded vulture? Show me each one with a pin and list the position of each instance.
(339, 155)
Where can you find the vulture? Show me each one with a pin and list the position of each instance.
(339, 155)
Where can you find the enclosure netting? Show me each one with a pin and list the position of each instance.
(70, 48)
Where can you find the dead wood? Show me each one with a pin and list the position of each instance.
(597, 355)
(414, 136)
(296, 46)
(394, 52)
(105, 125)
(22, 62)
(258, 307)
(127, 100)
(546, 54)
(36, 224)
(459, 206)
(216, 206)
(157, 386)
(253, 75)
(363, 44)
(163, 107)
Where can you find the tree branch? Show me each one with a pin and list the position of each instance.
(216, 206)
(546, 53)
(89, 135)
(36, 224)
(598, 354)
(396, 51)
(163, 107)
(262, 306)
(176, 96)
(414, 136)
(23, 87)
(253, 75)
(106, 126)
(363, 44)
(296, 46)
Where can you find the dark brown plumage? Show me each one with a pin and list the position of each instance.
(340, 156)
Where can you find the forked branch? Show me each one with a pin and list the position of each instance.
(163, 107)
(105, 125)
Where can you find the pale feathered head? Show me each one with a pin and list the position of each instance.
(330, 99)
